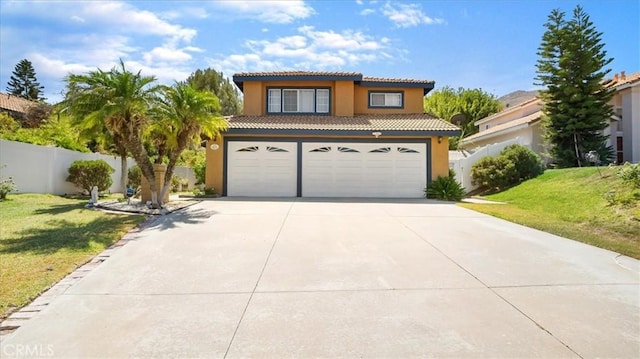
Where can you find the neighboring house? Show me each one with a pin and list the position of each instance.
(15, 106)
(523, 121)
(329, 134)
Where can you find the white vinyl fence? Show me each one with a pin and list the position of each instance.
(44, 169)
(462, 166)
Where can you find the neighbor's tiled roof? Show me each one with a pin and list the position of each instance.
(14, 103)
(504, 126)
(296, 73)
(399, 122)
(392, 80)
(618, 80)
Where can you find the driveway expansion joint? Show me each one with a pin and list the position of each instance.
(244, 311)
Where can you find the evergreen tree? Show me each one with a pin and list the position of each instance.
(23, 82)
(576, 99)
(215, 82)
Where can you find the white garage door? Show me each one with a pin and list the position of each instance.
(261, 169)
(364, 170)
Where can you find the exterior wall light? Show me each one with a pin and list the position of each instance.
(439, 139)
(214, 146)
(376, 134)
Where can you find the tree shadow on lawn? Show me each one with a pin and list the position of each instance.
(59, 208)
(64, 234)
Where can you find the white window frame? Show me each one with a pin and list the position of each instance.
(321, 98)
(388, 99)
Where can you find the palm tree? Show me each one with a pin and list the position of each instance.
(182, 117)
(117, 101)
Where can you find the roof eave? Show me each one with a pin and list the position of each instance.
(360, 132)
(427, 86)
(239, 80)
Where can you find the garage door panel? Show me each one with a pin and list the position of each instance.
(375, 170)
(261, 168)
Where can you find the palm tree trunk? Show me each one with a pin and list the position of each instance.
(575, 144)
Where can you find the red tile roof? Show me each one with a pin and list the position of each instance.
(296, 73)
(619, 79)
(396, 80)
(331, 73)
(14, 103)
(398, 122)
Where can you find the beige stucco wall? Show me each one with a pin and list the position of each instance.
(343, 98)
(439, 157)
(254, 102)
(347, 98)
(413, 100)
(214, 165)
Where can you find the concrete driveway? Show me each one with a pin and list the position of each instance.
(326, 279)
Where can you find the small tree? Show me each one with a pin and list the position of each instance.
(474, 104)
(23, 82)
(86, 174)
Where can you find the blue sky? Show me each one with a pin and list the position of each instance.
(474, 44)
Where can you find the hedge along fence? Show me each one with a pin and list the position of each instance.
(44, 169)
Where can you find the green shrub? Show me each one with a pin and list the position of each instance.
(7, 123)
(199, 171)
(494, 173)
(177, 183)
(528, 164)
(513, 165)
(86, 174)
(630, 174)
(134, 176)
(445, 188)
(195, 159)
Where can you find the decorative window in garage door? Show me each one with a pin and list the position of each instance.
(347, 150)
(321, 149)
(248, 149)
(275, 149)
(381, 150)
(406, 150)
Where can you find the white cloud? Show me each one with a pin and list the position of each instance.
(359, 2)
(309, 49)
(110, 31)
(280, 12)
(366, 12)
(408, 15)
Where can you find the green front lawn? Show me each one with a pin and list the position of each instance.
(573, 203)
(45, 237)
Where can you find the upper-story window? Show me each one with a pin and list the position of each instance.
(283, 100)
(386, 99)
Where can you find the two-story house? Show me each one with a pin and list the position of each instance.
(329, 134)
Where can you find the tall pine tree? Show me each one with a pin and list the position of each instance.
(23, 82)
(215, 82)
(571, 67)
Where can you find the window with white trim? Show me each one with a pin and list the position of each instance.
(385, 99)
(298, 101)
